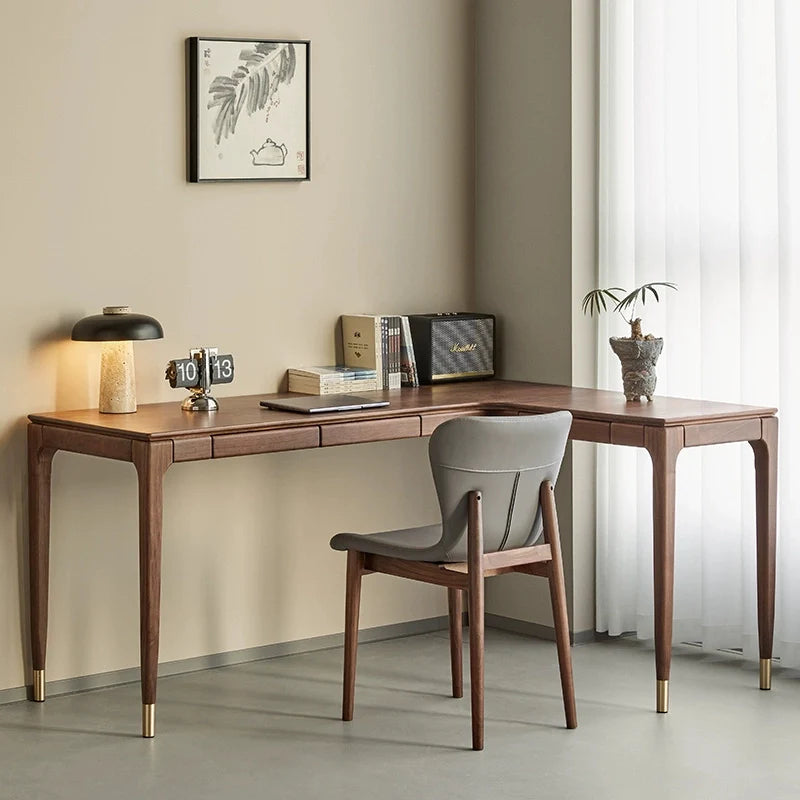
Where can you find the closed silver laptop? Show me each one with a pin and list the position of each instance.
(315, 404)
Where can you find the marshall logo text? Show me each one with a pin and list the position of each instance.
(463, 348)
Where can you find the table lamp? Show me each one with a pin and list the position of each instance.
(117, 328)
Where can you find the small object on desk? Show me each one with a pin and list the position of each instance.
(318, 405)
(409, 375)
(117, 328)
(198, 373)
(390, 347)
(331, 380)
(453, 346)
(638, 353)
(362, 343)
(373, 341)
(395, 374)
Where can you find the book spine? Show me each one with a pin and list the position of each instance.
(305, 387)
(332, 373)
(413, 358)
(378, 352)
(354, 372)
(339, 376)
(399, 351)
(396, 352)
(405, 363)
(360, 386)
(385, 350)
(410, 376)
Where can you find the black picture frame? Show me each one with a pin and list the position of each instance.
(226, 91)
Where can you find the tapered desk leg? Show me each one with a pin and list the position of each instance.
(151, 459)
(766, 458)
(40, 462)
(663, 444)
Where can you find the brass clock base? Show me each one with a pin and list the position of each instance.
(200, 402)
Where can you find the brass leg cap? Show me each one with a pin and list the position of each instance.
(765, 673)
(38, 685)
(662, 696)
(148, 720)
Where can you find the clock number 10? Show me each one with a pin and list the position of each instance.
(187, 372)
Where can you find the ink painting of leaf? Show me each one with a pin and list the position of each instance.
(264, 69)
(248, 109)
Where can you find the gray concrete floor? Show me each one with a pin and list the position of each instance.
(270, 729)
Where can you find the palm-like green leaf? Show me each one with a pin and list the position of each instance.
(596, 299)
(255, 81)
(629, 301)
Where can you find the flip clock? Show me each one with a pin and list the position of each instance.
(198, 373)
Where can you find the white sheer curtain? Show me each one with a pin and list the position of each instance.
(700, 185)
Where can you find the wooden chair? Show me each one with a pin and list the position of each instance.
(494, 478)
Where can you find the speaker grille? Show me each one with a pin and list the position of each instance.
(476, 336)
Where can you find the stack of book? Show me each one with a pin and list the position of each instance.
(332, 380)
(381, 342)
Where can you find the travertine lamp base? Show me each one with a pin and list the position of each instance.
(117, 379)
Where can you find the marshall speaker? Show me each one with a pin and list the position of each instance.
(453, 347)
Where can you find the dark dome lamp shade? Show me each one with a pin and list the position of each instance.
(117, 324)
(118, 328)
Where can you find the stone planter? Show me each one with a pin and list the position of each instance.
(638, 357)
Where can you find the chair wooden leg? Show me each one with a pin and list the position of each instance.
(558, 598)
(476, 639)
(352, 602)
(455, 601)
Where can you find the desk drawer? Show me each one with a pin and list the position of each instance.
(589, 430)
(740, 430)
(375, 430)
(627, 434)
(245, 444)
(430, 422)
(194, 448)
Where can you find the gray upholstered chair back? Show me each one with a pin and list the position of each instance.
(505, 458)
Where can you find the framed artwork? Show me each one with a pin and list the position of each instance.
(248, 110)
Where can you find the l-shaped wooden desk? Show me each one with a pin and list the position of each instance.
(160, 434)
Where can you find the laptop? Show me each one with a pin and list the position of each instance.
(314, 404)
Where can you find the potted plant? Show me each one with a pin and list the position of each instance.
(638, 353)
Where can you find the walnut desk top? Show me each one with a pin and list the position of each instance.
(600, 416)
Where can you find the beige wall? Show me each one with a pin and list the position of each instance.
(584, 277)
(523, 219)
(535, 245)
(95, 210)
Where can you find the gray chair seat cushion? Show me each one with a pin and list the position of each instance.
(506, 459)
(411, 544)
